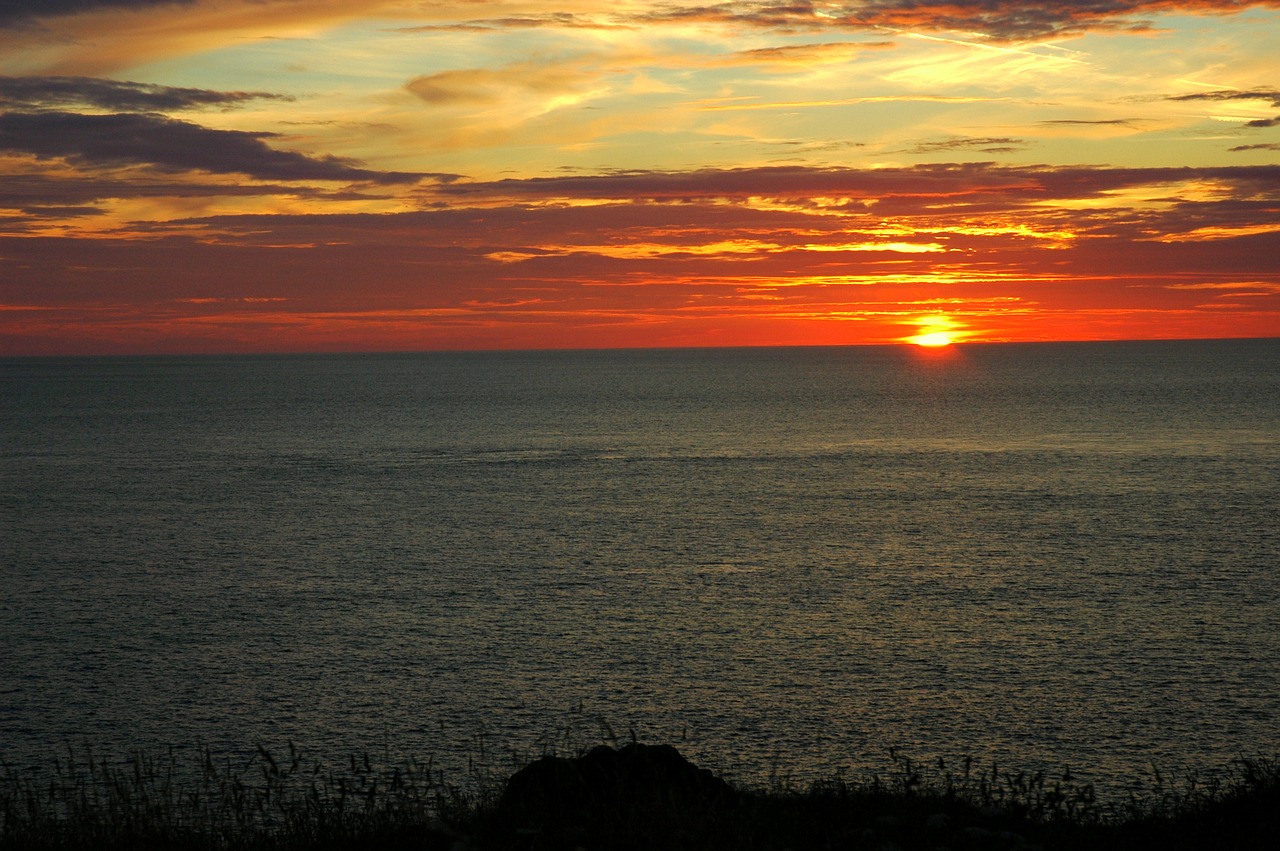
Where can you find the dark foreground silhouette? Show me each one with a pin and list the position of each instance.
(642, 797)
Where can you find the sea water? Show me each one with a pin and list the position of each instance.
(1047, 556)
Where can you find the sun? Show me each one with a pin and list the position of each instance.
(933, 339)
(936, 331)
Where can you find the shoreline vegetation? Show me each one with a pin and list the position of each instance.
(635, 796)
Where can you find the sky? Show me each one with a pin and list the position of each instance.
(184, 176)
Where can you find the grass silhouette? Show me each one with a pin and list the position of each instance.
(284, 801)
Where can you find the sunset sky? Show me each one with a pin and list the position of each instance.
(337, 175)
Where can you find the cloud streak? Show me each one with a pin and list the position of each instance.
(988, 145)
(489, 85)
(119, 95)
(1271, 96)
(20, 10)
(171, 145)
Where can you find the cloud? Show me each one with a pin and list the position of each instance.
(804, 54)
(708, 215)
(983, 208)
(17, 10)
(102, 38)
(937, 180)
(1265, 146)
(561, 20)
(988, 145)
(171, 145)
(662, 257)
(1226, 95)
(1272, 95)
(488, 85)
(37, 211)
(557, 79)
(72, 43)
(1073, 122)
(32, 191)
(1003, 20)
(121, 95)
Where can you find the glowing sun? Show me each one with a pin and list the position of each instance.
(933, 338)
(936, 331)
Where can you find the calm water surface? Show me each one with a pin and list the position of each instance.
(1050, 555)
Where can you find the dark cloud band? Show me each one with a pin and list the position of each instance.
(18, 10)
(121, 95)
(171, 145)
(888, 186)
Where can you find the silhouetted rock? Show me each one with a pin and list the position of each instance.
(605, 790)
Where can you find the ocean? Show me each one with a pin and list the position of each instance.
(783, 561)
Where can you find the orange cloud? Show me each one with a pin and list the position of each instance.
(678, 258)
(488, 85)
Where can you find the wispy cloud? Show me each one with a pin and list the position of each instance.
(751, 103)
(1271, 96)
(489, 85)
(1090, 122)
(987, 145)
(565, 20)
(805, 55)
